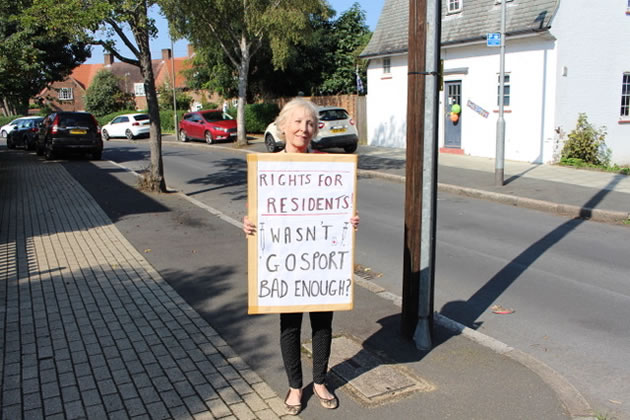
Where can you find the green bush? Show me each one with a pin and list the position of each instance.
(257, 116)
(166, 119)
(586, 143)
(107, 118)
(7, 120)
(104, 96)
(165, 98)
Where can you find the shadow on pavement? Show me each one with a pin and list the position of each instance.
(467, 312)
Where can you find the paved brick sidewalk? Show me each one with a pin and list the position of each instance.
(89, 329)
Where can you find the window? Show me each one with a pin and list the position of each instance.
(506, 89)
(138, 89)
(625, 95)
(628, 8)
(387, 65)
(454, 6)
(65, 94)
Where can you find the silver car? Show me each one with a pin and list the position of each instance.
(336, 129)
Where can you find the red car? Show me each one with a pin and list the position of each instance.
(207, 125)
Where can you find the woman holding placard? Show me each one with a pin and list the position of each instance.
(298, 124)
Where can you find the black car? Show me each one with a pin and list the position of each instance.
(69, 132)
(25, 133)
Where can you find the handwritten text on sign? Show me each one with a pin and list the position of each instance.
(305, 239)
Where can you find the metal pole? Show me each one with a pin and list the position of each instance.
(422, 335)
(500, 154)
(174, 99)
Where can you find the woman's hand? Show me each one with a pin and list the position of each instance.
(354, 221)
(248, 227)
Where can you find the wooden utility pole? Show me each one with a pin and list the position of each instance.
(414, 168)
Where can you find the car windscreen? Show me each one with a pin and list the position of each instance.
(75, 120)
(333, 114)
(213, 116)
(141, 117)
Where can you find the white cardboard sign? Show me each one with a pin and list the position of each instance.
(301, 257)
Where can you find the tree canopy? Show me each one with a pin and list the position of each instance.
(240, 29)
(324, 62)
(86, 21)
(105, 96)
(31, 58)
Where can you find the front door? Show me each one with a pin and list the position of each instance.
(453, 120)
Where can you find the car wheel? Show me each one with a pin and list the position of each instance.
(129, 134)
(105, 135)
(48, 152)
(350, 149)
(208, 136)
(182, 136)
(270, 143)
(4, 134)
(39, 150)
(10, 144)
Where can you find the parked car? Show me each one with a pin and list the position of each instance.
(6, 129)
(25, 133)
(69, 132)
(207, 125)
(336, 129)
(131, 126)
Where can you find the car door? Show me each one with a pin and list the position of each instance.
(119, 125)
(196, 127)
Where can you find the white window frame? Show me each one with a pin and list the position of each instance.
(387, 65)
(507, 91)
(624, 110)
(65, 94)
(454, 6)
(138, 89)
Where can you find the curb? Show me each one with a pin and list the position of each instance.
(576, 405)
(597, 215)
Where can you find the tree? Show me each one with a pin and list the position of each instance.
(165, 95)
(85, 20)
(239, 28)
(347, 38)
(105, 96)
(31, 58)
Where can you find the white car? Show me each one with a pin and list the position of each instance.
(6, 129)
(336, 129)
(131, 126)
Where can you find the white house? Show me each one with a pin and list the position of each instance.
(562, 58)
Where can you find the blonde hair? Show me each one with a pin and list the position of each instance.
(292, 105)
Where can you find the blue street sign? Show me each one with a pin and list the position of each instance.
(493, 39)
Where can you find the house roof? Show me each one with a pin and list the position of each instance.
(84, 74)
(477, 18)
(164, 76)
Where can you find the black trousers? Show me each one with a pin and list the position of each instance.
(290, 326)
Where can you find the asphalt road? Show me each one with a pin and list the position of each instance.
(567, 280)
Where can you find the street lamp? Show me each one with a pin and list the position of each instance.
(499, 161)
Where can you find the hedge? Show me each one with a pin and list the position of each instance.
(257, 116)
(7, 120)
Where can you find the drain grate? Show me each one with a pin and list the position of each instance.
(367, 377)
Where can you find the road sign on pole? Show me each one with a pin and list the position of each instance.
(493, 39)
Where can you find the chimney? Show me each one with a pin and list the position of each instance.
(191, 50)
(166, 54)
(108, 59)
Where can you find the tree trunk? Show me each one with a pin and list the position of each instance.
(243, 73)
(154, 179)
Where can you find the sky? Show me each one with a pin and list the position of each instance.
(372, 10)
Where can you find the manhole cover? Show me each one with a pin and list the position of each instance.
(367, 376)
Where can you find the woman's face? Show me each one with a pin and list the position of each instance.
(298, 130)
